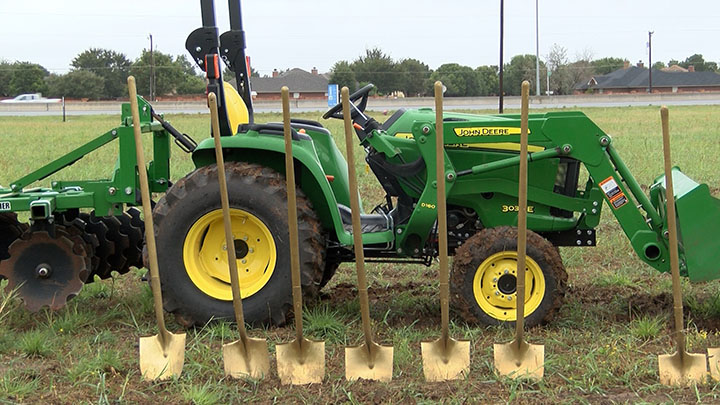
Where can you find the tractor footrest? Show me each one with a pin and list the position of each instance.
(369, 223)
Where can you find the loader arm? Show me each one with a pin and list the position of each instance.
(554, 137)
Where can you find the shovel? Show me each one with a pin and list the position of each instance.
(162, 355)
(301, 361)
(444, 358)
(680, 368)
(518, 358)
(247, 357)
(369, 361)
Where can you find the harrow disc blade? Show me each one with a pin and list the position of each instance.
(46, 270)
(10, 230)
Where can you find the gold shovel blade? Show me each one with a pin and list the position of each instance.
(251, 361)
(678, 371)
(301, 364)
(358, 364)
(713, 354)
(445, 361)
(528, 363)
(158, 363)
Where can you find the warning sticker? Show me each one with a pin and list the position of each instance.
(619, 201)
(610, 187)
(616, 197)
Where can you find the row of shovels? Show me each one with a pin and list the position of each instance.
(302, 361)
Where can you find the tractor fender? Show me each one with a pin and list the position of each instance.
(269, 151)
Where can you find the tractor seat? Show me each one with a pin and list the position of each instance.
(369, 223)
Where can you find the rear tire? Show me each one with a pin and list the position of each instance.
(483, 278)
(190, 238)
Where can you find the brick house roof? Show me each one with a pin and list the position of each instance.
(637, 77)
(297, 80)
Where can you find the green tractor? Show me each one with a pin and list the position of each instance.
(481, 159)
(481, 182)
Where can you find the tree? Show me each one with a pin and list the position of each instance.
(604, 66)
(192, 85)
(170, 73)
(6, 70)
(77, 84)
(412, 75)
(659, 65)
(111, 66)
(522, 67)
(343, 75)
(580, 71)
(698, 62)
(27, 78)
(561, 78)
(378, 68)
(564, 75)
(460, 81)
(487, 77)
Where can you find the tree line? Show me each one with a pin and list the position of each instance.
(102, 74)
(98, 73)
(414, 78)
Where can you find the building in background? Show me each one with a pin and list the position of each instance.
(634, 79)
(303, 85)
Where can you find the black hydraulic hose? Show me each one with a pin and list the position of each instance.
(184, 141)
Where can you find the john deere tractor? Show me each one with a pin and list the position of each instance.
(481, 168)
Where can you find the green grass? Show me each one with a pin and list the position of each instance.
(37, 343)
(647, 327)
(602, 345)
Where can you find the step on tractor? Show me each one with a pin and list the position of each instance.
(81, 229)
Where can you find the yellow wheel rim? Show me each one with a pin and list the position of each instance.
(205, 256)
(494, 286)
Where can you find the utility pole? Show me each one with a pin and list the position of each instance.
(152, 72)
(537, 52)
(650, 61)
(502, 19)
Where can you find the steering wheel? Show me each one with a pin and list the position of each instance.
(363, 93)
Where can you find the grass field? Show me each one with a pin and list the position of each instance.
(602, 346)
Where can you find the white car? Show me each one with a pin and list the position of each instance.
(31, 98)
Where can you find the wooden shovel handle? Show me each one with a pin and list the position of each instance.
(672, 234)
(356, 229)
(292, 216)
(227, 222)
(147, 214)
(522, 216)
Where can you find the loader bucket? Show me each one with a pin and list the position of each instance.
(698, 215)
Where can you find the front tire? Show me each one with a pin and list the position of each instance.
(483, 278)
(191, 246)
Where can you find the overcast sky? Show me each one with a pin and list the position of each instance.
(285, 34)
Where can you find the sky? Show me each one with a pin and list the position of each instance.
(284, 34)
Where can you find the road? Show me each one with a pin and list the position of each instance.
(380, 104)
